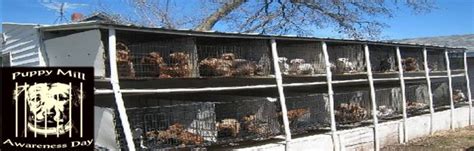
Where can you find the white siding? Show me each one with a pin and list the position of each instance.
(22, 41)
(79, 49)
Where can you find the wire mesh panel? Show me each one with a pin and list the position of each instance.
(172, 58)
(440, 94)
(187, 125)
(352, 108)
(389, 103)
(412, 59)
(417, 99)
(436, 60)
(307, 112)
(245, 120)
(146, 55)
(300, 58)
(456, 60)
(346, 58)
(459, 91)
(383, 58)
(233, 58)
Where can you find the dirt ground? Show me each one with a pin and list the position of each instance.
(460, 139)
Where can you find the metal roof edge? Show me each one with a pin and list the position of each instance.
(105, 25)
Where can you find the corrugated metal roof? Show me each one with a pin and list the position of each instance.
(188, 32)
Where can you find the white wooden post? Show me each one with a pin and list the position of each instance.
(330, 96)
(372, 97)
(279, 81)
(450, 84)
(404, 99)
(114, 80)
(468, 86)
(430, 93)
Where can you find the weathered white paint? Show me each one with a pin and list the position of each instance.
(430, 92)
(330, 95)
(404, 99)
(372, 96)
(468, 85)
(362, 139)
(114, 80)
(450, 87)
(279, 81)
(23, 42)
(104, 132)
(79, 49)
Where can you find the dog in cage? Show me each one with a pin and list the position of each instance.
(300, 67)
(153, 62)
(458, 96)
(124, 61)
(386, 64)
(350, 113)
(228, 65)
(344, 65)
(228, 127)
(295, 114)
(410, 64)
(284, 66)
(175, 133)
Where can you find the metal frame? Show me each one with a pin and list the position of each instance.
(430, 92)
(337, 143)
(468, 86)
(114, 80)
(372, 97)
(450, 84)
(279, 81)
(330, 96)
(404, 99)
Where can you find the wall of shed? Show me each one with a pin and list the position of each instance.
(362, 138)
(23, 42)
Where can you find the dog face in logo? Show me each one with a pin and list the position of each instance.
(48, 107)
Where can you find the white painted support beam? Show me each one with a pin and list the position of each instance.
(114, 80)
(468, 86)
(279, 81)
(450, 84)
(404, 98)
(337, 145)
(430, 92)
(372, 98)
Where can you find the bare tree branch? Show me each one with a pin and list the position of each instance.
(227, 8)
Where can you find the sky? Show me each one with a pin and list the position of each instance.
(451, 17)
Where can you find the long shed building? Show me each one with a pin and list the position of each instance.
(168, 89)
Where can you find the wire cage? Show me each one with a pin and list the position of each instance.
(201, 122)
(307, 112)
(456, 60)
(168, 124)
(389, 103)
(301, 58)
(412, 59)
(417, 99)
(346, 58)
(352, 108)
(171, 58)
(440, 89)
(145, 55)
(436, 60)
(233, 57)
(246, 119)
(383, 59)
(460, 91)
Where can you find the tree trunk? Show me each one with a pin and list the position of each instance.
(227, 8)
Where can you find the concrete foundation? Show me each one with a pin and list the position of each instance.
(359, 139)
